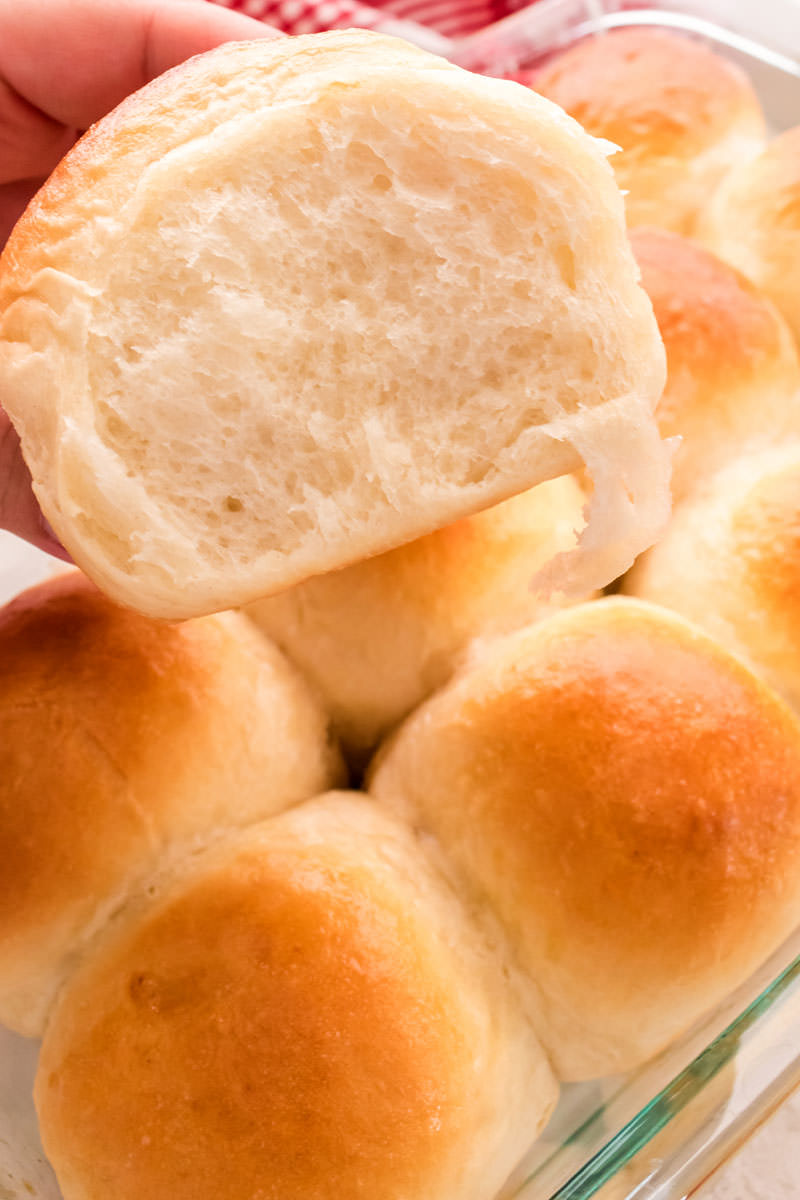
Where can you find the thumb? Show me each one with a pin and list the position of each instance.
(19, 510)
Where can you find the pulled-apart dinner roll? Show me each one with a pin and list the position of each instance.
(733, 378)
(730, 561)
(753, 221)
(378, 637)
(681, 114)
(625, 795)
(124, 741)
(304, 1011)
(302, 300)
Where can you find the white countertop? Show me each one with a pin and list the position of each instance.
(767, 1167)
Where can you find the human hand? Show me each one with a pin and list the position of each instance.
(63, 65)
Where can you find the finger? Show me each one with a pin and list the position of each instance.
(74, 61)
(31, 143)
(19, 511)
(13, 199)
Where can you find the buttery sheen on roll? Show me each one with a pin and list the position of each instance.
(733, 377)
(730, 561)
(625, 795)
(378, 637)
(682, 116)
(304, 1011)
(300, 301)
(753, 221)
(125, 741)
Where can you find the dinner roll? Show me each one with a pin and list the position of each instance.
(730, 561)
(123, 741)
(379, 636)
(625, 795)
(302, 300)
(753, 221)
(306, 1011)
(682, 115)
(733, 378)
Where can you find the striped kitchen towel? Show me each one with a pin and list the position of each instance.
(429, 23)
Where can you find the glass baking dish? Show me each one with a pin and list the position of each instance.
(660, 1131)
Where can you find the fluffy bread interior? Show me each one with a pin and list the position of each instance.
(298, 302)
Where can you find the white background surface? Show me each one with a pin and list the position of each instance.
(767, 1167)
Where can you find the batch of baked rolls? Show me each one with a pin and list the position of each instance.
(320, 899)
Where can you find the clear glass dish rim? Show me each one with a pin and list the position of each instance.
(754, 1039)
(546, 26)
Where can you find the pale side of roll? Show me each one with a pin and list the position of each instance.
(304, 1011)
(682, 116)
(124, 741)
(733, 377)
(376, 638)
(730, 561)
(753, 221)
(625, 796)
(300, 301)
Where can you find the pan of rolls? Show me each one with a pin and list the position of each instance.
(418, 733)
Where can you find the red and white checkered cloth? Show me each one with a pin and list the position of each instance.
(440, 19)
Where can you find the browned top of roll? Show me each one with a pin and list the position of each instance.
(120, 739)
(304, 1014)
(376, 638)
(662, 92)
(768, 187)
(730, 561)
(682, 115)
(753, 221)
(732, 368)
(626, 795)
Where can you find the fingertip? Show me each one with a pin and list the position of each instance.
(181, 30)
(49, 541)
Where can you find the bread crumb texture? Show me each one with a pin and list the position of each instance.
(300, 301)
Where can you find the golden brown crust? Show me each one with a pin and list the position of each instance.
(120, 739)
(653, 787)
(262, 1001)
(765, 529)
(753, 221)
(715, 324)
(775, 180)
(288, 1021)
(648, 90)
(730, 561)
(682, 115)
(732, 368)
(379, 636)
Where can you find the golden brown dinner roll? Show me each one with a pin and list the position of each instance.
(122, 741)
(302, 300)
(730, 561)
(379, 636)
(682, 115)
(625, 795)
(753, 221)
(733, 378)
(305, 1011)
